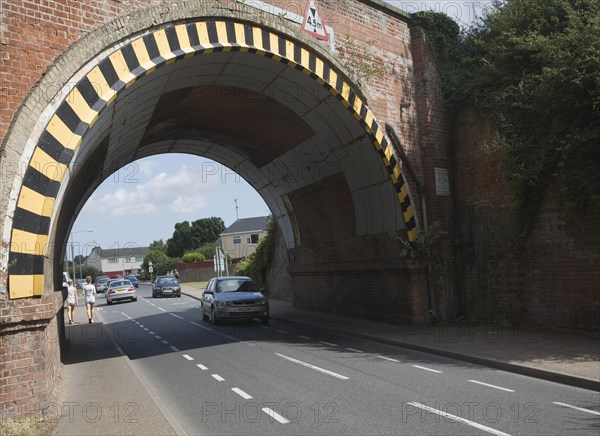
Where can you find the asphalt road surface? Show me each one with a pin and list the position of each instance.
(244, 378)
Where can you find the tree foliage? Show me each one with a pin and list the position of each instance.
(193, 256)
(534, 65)
(161, 262)
(257, 264)
(189, 237)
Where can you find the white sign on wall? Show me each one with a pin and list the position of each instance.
(442, 184)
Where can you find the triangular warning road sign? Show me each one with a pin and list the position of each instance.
(313, 21)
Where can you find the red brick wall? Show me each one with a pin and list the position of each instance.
(550, 278)
(30, 354)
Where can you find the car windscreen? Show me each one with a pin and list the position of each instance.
(236, 285)
(120, 284)
(167, 280)
(103, 281)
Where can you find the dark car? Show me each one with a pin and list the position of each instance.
(166, 286)
(101, 284)
(234, 297)
(133, 279)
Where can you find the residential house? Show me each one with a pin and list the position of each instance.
(117, 262)
(242, 237)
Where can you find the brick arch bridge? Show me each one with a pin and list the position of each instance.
(244, 86)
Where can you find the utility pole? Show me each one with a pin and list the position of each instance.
(237, 217)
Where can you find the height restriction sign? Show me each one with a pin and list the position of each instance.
(313, 22)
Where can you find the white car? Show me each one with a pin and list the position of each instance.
(119, 290)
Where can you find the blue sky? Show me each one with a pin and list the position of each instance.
(142, 201)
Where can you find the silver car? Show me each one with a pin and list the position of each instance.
(234, 298)
(119, 290)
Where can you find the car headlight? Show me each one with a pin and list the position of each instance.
(262, 302)
(177, 288)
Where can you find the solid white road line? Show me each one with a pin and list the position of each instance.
(354, 350)
(328, 343)
(202, 367)
(276, 416)
(174, 348)
(459, 419)
(593, 412)
(427, 369)
(388, 358)
(316, 368)
(176, 316)
(241, 393)
(491, 386)
(188, 357)
(217, 377)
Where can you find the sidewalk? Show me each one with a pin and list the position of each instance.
(565, 358)
(100, 393)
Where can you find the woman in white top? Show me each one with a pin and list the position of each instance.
(89, 291)
(71, 300)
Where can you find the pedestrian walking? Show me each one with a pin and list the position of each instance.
(71, 300)
(89, 291)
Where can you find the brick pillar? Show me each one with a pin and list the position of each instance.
(434, 139)
(30, 339)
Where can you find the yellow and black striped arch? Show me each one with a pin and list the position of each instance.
(119, 70)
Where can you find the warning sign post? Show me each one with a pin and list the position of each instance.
(313, 21)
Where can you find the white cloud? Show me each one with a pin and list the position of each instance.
(175, 193)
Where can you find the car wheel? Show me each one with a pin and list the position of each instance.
(213, 316)
(108, 302)
(134, 299)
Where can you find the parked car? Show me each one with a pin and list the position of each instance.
(166, 286)
(79, 283)
(119, 290)
(101, 284)
(234, 297)
(133, 279)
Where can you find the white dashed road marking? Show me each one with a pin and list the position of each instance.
(581, 409)
(316, 368)
(491, 386)
(241, 393)
(427, 369)
(202, 367)
(388, 359)
(188, 357)
(459, 419)
(217, 377)
(276, 416)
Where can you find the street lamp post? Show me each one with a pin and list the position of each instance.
(73, 253)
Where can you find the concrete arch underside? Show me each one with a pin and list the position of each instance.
(251, 97)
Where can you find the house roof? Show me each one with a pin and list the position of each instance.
(245, 225)
(122, 252)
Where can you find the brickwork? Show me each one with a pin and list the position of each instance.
(30, 354)
(550, 278)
